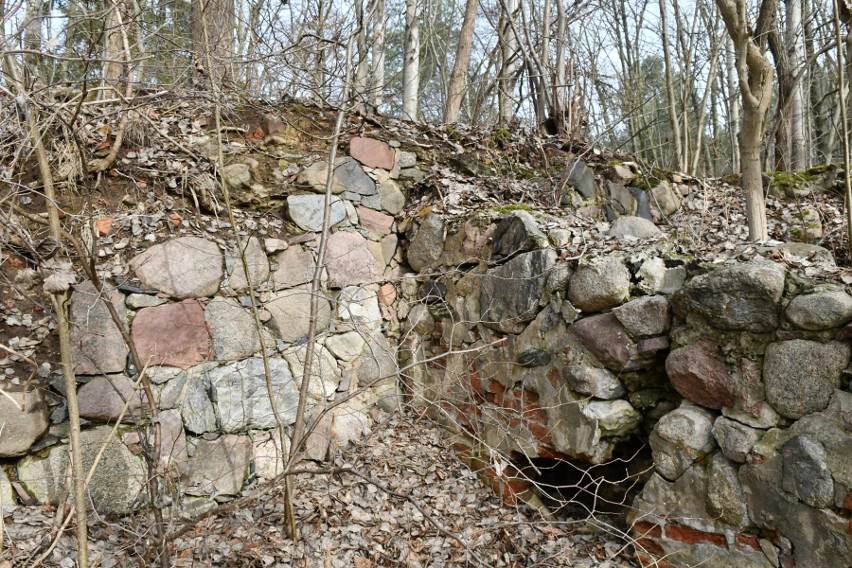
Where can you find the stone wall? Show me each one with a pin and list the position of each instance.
(737, 376)
(182, 291)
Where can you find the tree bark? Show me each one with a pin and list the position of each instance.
(218, 15)
(458, 77)
(377, 79)
(755, 76)
(411, 63)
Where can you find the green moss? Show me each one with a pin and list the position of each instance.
(501, 136)
(525, 172)
(506, 209)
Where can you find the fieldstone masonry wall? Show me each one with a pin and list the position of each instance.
(736, 375)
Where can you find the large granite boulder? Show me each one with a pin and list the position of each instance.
(349, 260)
(599, 283)
(234, 331)
(242, 397)
(186, 267)
(510, 293)
(680, 438)
(115, 486)
(801, 375)
(742, 297)
(174, 335)
(96, 342)
(24, 416)
(821, 310)
(426, 246)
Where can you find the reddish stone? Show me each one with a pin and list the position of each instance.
(688, 535)
(747, 543)
(786, 561)
(372, 153)
(646, 529)
(104, 226)
(652, 346)
(387, 294)
(845, 333)
(175, 335)
(847, 502)
(256, 134)
(375, 221)
(589, 212)
(606, 338)
(349, 261)
(787, 335)
(273, 126)
(698, 373)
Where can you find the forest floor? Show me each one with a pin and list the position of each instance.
(399, 497)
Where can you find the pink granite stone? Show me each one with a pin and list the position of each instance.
(372, 153)
(174, 335)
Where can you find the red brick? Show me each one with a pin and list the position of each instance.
(646, 529)
(747, 542)
(541, 433)
(649, 546)
(647, 560)
(688, 535)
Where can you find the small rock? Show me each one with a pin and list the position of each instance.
(307, 211)
(805, 472)
(698, 372)
(633, 227)
(237, 175)
(680, 438)
(391, 197)
(219, 467)
(735, 439)
(646, 316)
(103, 399)
(594, 381)
(534, 358)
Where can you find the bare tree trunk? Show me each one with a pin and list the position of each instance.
(411, 64)
(733, 104)
(32, 39)
(219, 18)
(796, 57)
(755, 79)
(377, 82)
(363, 68)
(670, 94)
(509, 61)
(114, 69)
(458, 77)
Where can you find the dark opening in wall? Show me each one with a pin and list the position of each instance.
(577, 490)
